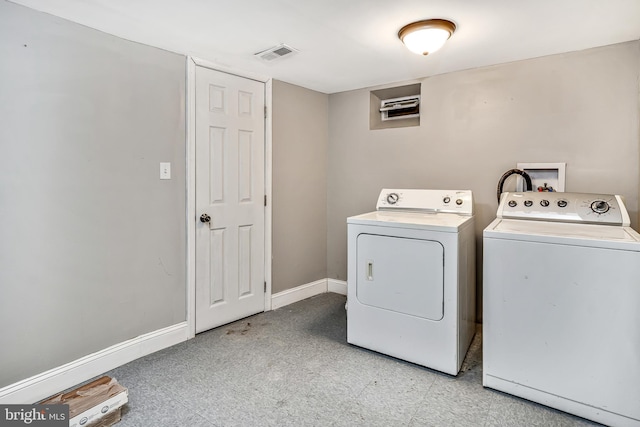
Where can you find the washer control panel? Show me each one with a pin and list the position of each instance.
(606, 209)
(452, 201)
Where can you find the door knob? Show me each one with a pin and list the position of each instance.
(205, 217)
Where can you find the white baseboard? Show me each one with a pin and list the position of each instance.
(47, 383)
(43, 385)
(298, 293)
(337, 286)
(308, 290)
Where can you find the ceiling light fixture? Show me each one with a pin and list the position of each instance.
(425, 37)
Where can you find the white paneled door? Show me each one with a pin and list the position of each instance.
(230, 191)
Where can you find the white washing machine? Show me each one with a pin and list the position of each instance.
(561, 318)
(411, 277)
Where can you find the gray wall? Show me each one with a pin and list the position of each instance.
(300, 135)
(580, 108)
(92, 243)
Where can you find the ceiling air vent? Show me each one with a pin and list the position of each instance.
(276, 52)
(400, 108)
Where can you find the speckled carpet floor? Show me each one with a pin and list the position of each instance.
(293, 367)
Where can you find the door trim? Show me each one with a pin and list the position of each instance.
(192, 63)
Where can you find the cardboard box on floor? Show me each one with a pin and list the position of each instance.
(96, 404)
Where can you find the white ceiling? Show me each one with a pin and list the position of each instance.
(350, 44)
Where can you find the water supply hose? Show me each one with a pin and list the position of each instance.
(507, 174)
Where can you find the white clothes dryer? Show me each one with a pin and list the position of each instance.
(561, 318)
(411, 277)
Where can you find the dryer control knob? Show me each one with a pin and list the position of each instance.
(562, 203)
(446, 199)
(459, 202)
(544, 203)
(512, 203)
(600, 206)
(392, 198)
(528, 203)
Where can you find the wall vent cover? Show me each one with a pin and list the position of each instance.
(400, 108)
(276, 52)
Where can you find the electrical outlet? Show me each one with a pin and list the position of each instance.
(165, 170)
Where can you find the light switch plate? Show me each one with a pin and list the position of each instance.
(165, 170)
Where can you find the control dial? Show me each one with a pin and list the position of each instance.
(544, 203)
(528, 203)
(600, 206)
(459, 202)
(512, 203)
(447, 199)
(562, 203)
(392, 198)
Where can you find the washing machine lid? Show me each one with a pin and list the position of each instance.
(433, 221)
(578, 234)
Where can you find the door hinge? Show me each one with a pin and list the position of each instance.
(265, 200)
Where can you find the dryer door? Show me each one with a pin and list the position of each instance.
(401, 274)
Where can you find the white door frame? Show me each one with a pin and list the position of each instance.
(191, 183)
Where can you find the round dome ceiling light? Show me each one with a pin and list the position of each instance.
(425, 37)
